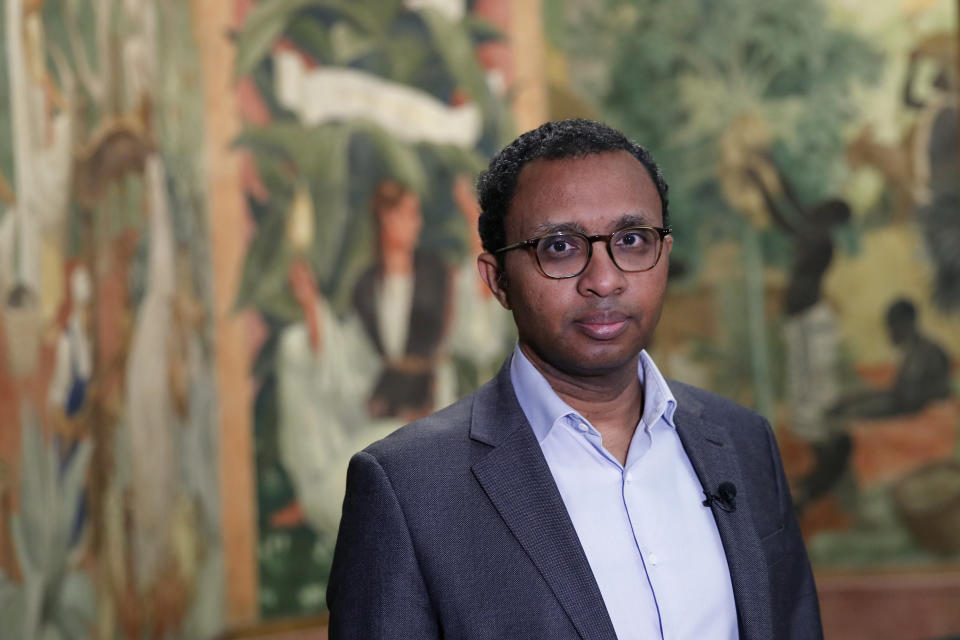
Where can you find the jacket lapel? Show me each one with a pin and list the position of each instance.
(516, 478)
(713, 458)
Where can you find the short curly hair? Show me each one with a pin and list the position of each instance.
(575, 138)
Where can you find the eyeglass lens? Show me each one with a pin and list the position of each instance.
(566, 255)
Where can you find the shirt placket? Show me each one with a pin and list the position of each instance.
(640, 516)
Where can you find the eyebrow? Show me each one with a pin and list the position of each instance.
(626, 220)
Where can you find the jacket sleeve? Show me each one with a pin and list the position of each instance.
(799, 592)
(376, 589)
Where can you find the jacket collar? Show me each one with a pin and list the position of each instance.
(516, 478)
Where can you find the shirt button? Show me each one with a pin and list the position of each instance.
(628, 477)
(654, 559)
(582, 426)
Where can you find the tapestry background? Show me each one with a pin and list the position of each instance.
(237, 243)
(812, 156)
(109, 499)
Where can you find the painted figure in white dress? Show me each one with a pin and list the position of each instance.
(345, 382)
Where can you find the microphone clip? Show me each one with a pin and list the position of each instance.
(725, 498)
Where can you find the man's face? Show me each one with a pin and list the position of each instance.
(597, 322)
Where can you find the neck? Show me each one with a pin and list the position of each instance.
(397, 262)
(611, 401)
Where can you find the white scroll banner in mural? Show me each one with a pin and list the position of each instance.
(452, 10)
(334, 93)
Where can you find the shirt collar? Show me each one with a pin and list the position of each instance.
(658, 400)
(543, 407)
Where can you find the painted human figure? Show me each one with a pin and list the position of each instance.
(344, 382)
(810, 330)
(923, 375)
(73, 366)
(401, 301)
(938, 164)
(69, 387)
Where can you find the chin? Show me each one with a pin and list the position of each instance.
(596, 361)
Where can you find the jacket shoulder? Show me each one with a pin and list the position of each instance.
(438, 431)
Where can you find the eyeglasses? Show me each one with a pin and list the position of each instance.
(566, 255)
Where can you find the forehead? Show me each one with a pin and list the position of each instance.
(593, 192)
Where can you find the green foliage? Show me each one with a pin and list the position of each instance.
(683, 77)
(318, 157)
(681, 71)
(481, 30)
(400, 158)
(456, 48)
(268, 21)
(459, 159)
(315, 39)
(12, 606)
(6, 131)
(289, 153)
(55, 600)
(423, 49)
(179, 108)
(263, 283)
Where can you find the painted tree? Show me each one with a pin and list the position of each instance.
(683, 73)
(718, 92)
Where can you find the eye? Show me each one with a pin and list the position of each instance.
(557, 246)
(635, 239)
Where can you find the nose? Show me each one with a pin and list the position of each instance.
(601, 277)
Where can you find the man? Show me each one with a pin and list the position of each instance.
(577, 494)
(923, 375)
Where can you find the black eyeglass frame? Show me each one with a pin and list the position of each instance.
(532, 243)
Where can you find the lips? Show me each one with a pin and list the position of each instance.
(602, 325)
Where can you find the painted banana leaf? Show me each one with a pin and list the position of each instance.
(455, 46)
(48, 499)
(268, 21)
(12, 607)
(54, 600)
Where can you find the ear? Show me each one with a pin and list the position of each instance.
(490, 273)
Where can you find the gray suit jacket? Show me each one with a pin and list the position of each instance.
(454, 528)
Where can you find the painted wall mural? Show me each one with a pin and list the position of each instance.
(813, 155)
(365, 124)
(109, 504)
(812, 152)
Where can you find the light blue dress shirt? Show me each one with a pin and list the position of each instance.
(653, 547)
